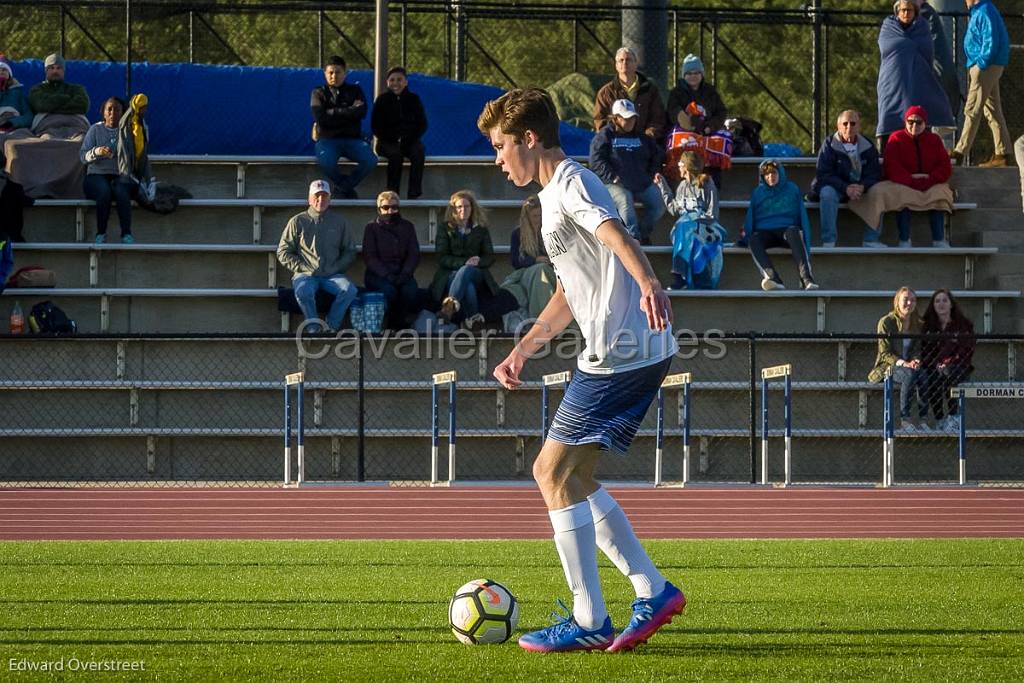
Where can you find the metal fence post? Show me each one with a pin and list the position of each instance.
(816, 44)
(361, 419)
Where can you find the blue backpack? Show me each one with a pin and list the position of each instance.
(697, 248)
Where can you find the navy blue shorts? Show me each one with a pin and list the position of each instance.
(607, 409)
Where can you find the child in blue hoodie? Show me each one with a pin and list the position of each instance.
(777, 217)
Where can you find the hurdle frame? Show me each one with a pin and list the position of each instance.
(297, 380)
(449, 378)
(888, 432)
(768, 374)
(553, 379)
(684, 380)
(962, 393)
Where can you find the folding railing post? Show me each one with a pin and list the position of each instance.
(433, 433)
(887, 431)
(686, 433)
(764, 431)
(296, 379)
(287, 434)
(682, 379)
(789, 429)
(659, 442)
(962, 436)
(451, 430)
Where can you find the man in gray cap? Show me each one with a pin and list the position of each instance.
(55, 95)
(318, 248)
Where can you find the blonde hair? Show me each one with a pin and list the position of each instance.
(694, 164)
(385, 195)
(529, 234)
(912, 322)
(477, 215)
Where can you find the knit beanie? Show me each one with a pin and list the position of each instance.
(692, 63)
(917, 110)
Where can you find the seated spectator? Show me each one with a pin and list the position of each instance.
(915, 158)
(392, 252)
(15, 111)
(399, 122)
(946, 352)
(338, 110)
(626, 159)
(12, 204)
(630, 84)
(696, 102)
(104, 182)
(848, 166)
(777, 217)
(533, 280)
(318, 248)
(906, 76)
(901, 355)
(465, 255)
(697, 196)
(987, 49)
(44, 159)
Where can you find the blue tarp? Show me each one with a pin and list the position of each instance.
(243, 110)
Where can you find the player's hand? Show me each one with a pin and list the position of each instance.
(507, 371)
(658, 308)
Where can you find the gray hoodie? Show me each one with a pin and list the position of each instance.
(318, 244)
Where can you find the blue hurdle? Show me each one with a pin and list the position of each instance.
(554, 379)
(784, 371)
(888, 432)
(450, 378)
(684, 380)
(296, 379)
(962, 393)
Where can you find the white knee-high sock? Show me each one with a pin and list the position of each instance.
(574, 538)
(615, 537)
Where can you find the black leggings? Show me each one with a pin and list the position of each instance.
(761, 241)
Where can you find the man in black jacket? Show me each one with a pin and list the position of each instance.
(338, 108)
(398, 123)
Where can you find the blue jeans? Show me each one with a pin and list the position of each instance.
(463, 285)
(343, 289)
(828, 214)
(106, 189)
(936, 219)
(329, 150)
(650, 199)
(911, 382)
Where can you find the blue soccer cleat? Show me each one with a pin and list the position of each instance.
(649, 614)
(568, 636)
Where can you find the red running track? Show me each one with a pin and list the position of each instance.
(502, 512)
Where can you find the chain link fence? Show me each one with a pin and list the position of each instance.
(203, 411)
(791, 68)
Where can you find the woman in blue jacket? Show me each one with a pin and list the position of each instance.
(777, 217)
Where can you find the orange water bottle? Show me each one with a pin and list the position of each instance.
(17, 319)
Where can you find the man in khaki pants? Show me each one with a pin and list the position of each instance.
(987, 48)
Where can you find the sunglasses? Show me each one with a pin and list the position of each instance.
(916, 122)
(844, 124)
(388, 207)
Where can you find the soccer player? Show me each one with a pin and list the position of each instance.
(607, 285)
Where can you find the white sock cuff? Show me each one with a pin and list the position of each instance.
(601, 504)
(573, 517)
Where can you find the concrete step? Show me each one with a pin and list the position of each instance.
(988, 186)
(250, 266)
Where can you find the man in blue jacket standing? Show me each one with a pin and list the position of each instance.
(987, 48)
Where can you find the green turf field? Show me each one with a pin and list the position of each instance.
(769, 610)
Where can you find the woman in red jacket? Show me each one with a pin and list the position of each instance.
(946, 354)
(916, 157)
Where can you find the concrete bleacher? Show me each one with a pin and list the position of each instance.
(210, 267)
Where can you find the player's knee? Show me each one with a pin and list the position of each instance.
(547, 473)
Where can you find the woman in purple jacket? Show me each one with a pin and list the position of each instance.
(392, 252)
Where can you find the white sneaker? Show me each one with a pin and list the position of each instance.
(905, 244)
(874, 245)
(769, 284)
(828, 245)
(940, 244)
(811, 284)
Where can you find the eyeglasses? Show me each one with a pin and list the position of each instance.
(388, 207)
(916, 122)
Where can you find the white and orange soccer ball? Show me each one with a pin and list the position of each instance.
(483, 612)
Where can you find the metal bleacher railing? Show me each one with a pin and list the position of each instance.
(195, 411)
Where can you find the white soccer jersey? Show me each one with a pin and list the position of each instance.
(603, 296)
